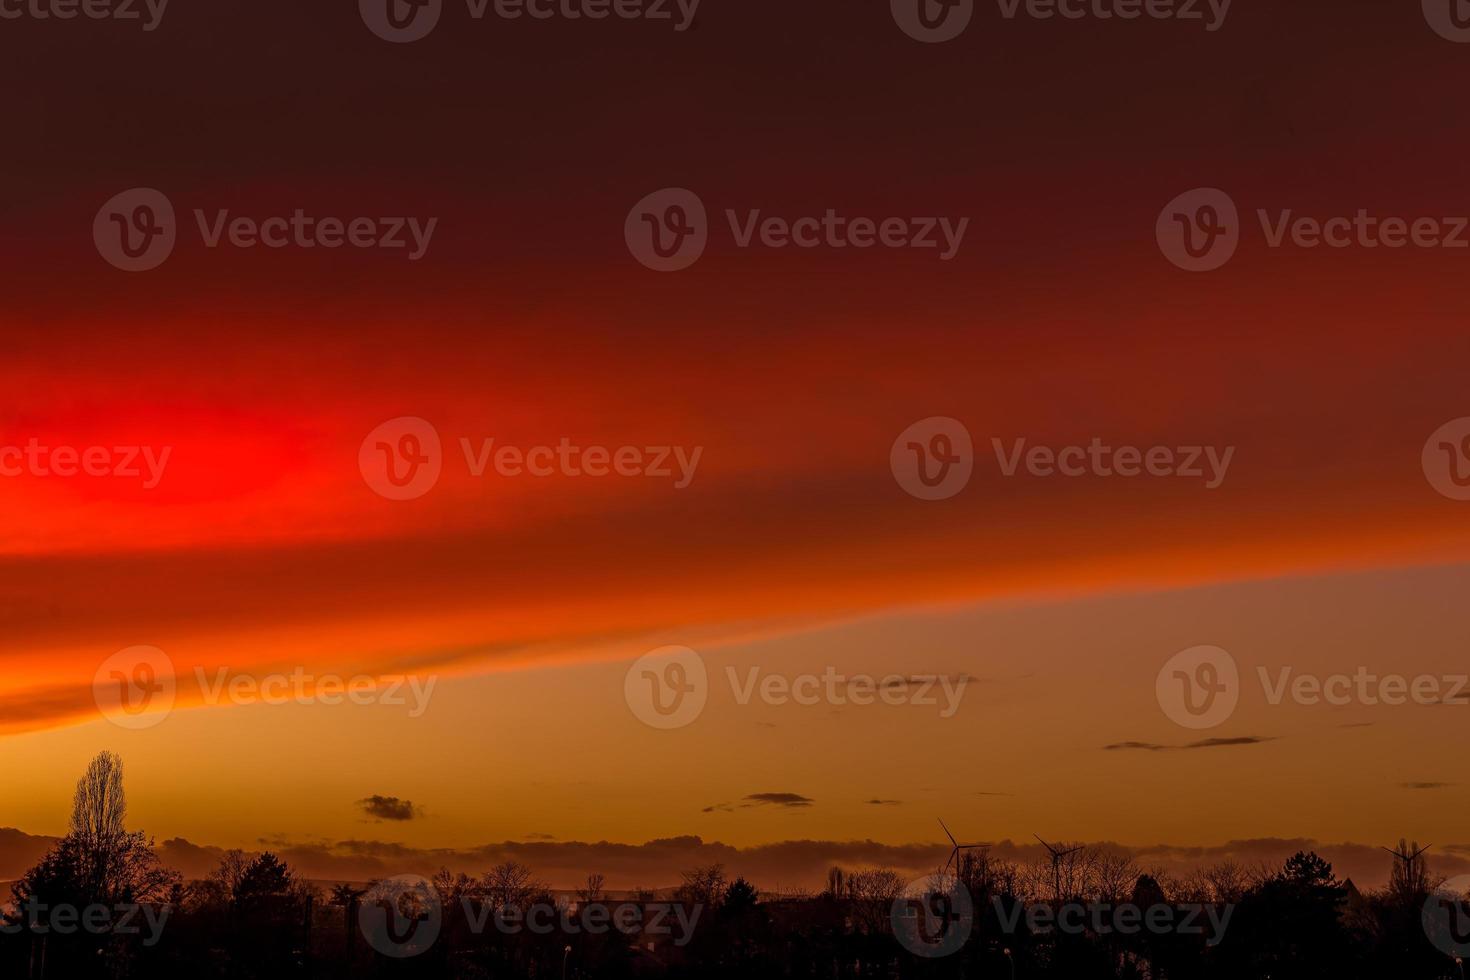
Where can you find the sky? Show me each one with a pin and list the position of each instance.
(792, 549)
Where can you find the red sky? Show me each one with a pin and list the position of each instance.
(528, 321)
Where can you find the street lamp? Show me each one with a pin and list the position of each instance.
(566, 951)
(1011, 960)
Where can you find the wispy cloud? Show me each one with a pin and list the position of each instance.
(779, 799)
(787, 800)
(1208, 743)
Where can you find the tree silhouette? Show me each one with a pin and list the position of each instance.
(265, 881)
(592, 890)
(97, 863)
(740, 898)
(99, 807)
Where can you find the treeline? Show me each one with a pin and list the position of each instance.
(1225, 922)
(99, 905)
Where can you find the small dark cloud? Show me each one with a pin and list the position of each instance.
(876, 802)
(388, 808)
(1358, 724)
(1208, 743)
(540, 837)
(921, 680)
(1126, 746)
(1426, 785)
(778, 799)
(902, 682)
(985, 793)
(1213, 743)
(788, 800)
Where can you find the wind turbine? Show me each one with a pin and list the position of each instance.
(955, 848)
(1057, 854)
(1411, 863)
(1402, 853)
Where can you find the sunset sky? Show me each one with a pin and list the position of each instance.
(793, 548)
